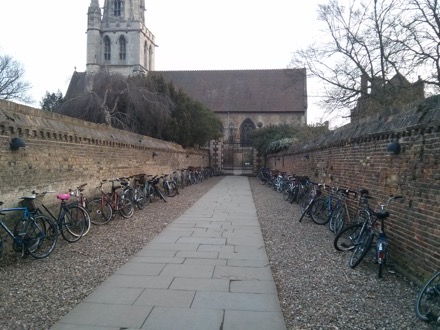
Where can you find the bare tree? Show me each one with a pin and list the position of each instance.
(12, 85)
(132, 104)
(358, 56)
(419, 36)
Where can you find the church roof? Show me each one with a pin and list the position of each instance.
(280, 90)
(76, 86)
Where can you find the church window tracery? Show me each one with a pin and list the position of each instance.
(122, 48)
(118, 7)
(246, 127)
(107, 49)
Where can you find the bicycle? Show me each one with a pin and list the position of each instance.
(104, 208)
(323, 208)
(81, 200)
(345, 240)
(314, 195)
(175, 179)
(340, 214)
(428, 300)
(264, 175)
(169, 187)
(71, 220)
(153, 190)
(34, 235)
(140, 191)
(364, 239)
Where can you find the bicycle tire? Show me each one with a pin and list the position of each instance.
(294, 195)
(306, 200)
(345, 240)
(88, 222)
(40, 236)
(170, 190)
(175, 186)
(332, 218)
(339, 220)
(320, 212)
(363, 245)
(286, 195)
(100, 211)
(428, 300)
(73, 223)
(141, 199)
(126, 208)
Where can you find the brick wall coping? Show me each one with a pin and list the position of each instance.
(17, 119)
(383, 127)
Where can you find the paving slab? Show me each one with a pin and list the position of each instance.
(208, 269)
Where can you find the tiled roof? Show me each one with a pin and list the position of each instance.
(281, 91)
(76, 86)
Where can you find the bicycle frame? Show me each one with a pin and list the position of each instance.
(368, 232)
(18, 240)
(26, 215)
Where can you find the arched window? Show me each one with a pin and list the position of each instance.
(118, 7)
(122, 48)
(107, 49)
(246, 127)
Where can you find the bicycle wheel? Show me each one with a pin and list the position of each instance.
(306, 210)
(125, 206)
(345, 240)
(39, 236)
(286, 194)
(170, 190)
(175, 186)
(73, 223)
(307, 199)
(363, 244)
(294, 194)
(88, 222)
(100, 211)
(339, 220)
(332, 220)
(428, 300)
(320, 212)
(141, 198)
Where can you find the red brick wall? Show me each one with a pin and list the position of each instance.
(356, 156)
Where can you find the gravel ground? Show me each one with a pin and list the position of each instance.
(317, 289)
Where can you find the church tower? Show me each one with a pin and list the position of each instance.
(117, 38)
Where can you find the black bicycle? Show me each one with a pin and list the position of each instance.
(371, 228)
(428, 300)
(72, 218)
(311, 198)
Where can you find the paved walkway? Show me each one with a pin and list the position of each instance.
(207, 270)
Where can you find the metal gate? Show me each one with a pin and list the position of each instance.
(237, 159)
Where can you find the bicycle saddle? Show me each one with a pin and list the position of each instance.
(63, 197)
(382, 214)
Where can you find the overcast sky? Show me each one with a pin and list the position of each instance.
(49, 37)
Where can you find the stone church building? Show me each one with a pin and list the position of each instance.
(244, 100)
